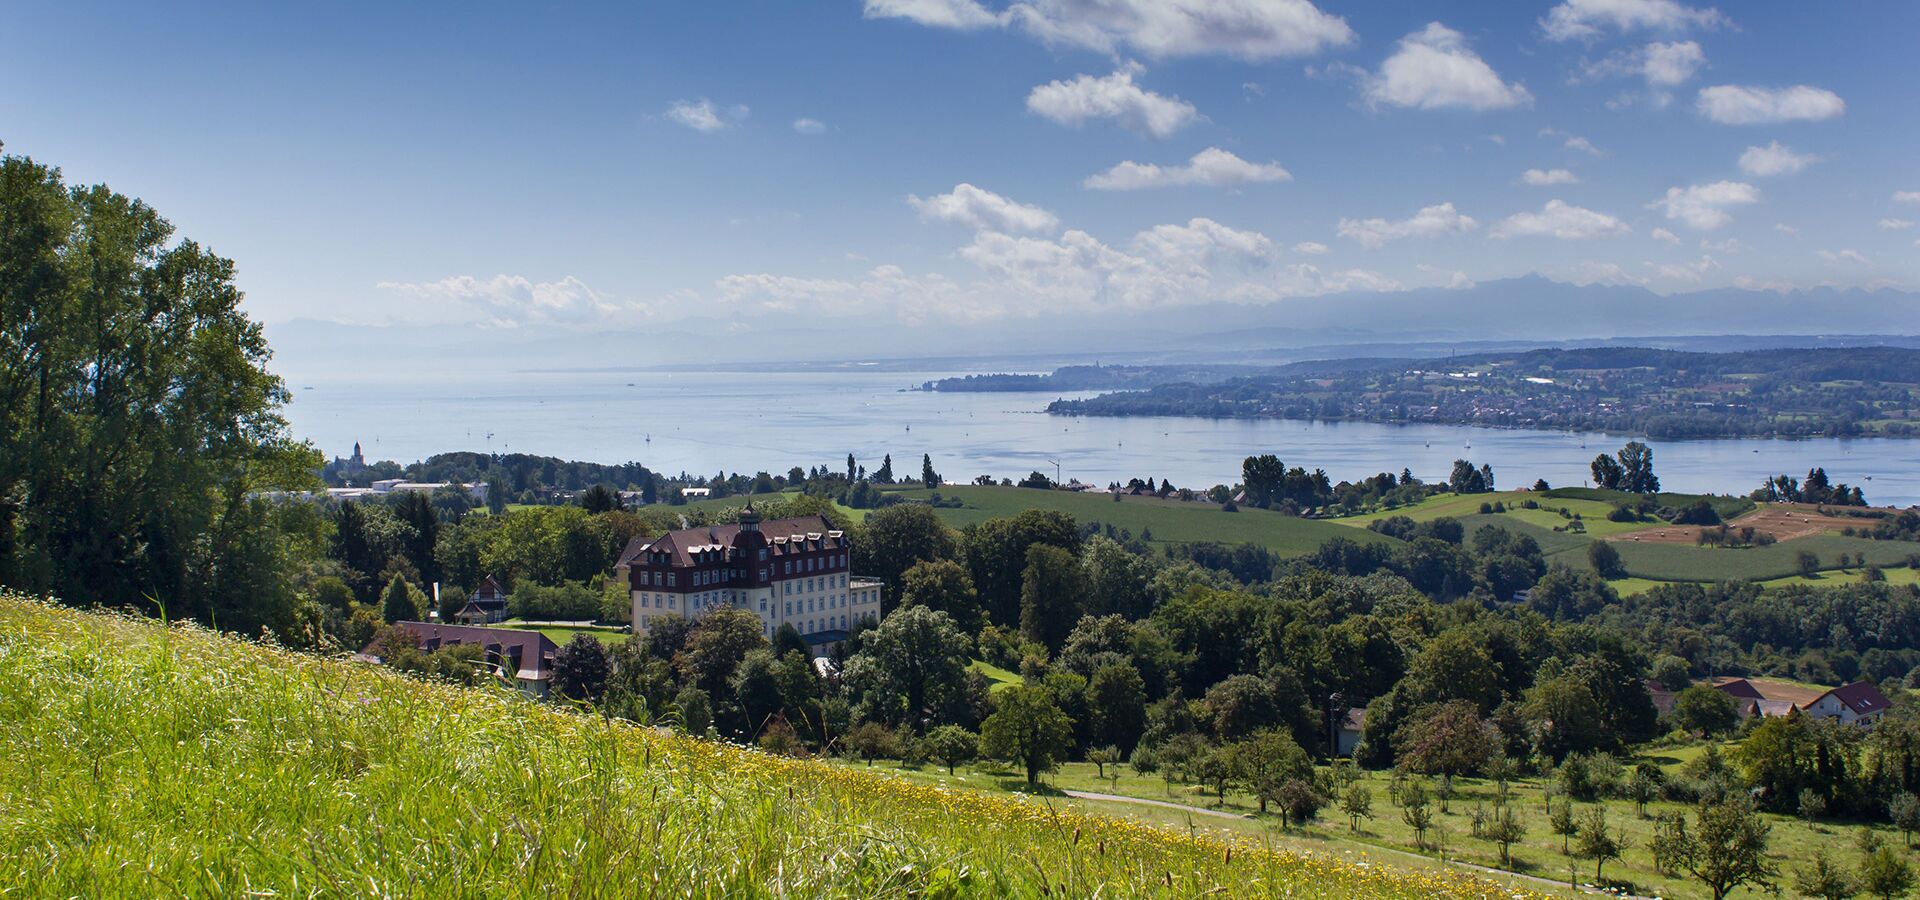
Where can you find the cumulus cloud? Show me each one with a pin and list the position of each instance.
(1561, 220)
(1704, 206)
(1845, 256)
(1906, 196)
(1202, 241)
(513, 300)
(809, 126)
(1661, 234)
(1689, 272)
(1895, 224)
(1244, 29)
(1435, 69)
(1431, 221)
(1212, 167)
(1112, 97)
(1774, 159)
(982, 210)
(701, 115)
(1661, 65)
(1312, 248)
(1786, 229)
(1544, 177)
(1586, 19)
(1738, 104)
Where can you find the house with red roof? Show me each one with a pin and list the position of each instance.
(1859, 703)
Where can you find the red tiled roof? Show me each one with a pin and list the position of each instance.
(1861, 697)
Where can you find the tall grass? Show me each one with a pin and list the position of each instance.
(142, 760)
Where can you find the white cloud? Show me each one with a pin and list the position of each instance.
(1202, 241)
(1731, 246)
(1434, 69)
(959, 14)
(1737, 104)
(1576, 142)
(809, 126)
(1906, 196)
(1661, 234)
(1587, 18)
(1895, 224)
(1244, 29)
(1561, 220)
(698, 115)
(1212, 167)
(1112, 97)
(1703, 206)
(1689, 272)
(1661, 65)
(982, 210)
(513, 300)
(1839, 256)
(1591, 271)
(1786, 229)
(1774, 159)
(1544, 177)
(1312, 248)
(1431, 221)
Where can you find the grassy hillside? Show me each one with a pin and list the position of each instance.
(146, 761)
(1171, 521)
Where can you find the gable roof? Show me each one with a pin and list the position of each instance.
(783, 535)
(536, 649)
(1861, 697)
(489, 587)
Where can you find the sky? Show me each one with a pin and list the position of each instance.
(934, 163)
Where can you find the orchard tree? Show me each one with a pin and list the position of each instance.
(1727, 850)
(1027, 727)
(1598, 842)
(952, 745)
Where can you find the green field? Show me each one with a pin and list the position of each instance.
(561, 635)
(1792, 840)
(1685, 562)
(144, 761)
(1171, 521)
(1001, 678)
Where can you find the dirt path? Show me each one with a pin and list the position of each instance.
(1222, 814)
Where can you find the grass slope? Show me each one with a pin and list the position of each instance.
(147, 761)
(1171, 521)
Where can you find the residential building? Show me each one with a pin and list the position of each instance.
(522, 657)
(487, 605)
(1859, 703)
(1353, 727)
(786, 571)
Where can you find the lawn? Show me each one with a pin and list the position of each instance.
(1001, 678)
(1685, 562)
(1792, 840)
(144, 760)
(1169, 521)
(561, 635)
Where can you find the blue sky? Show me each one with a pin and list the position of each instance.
(959, 161)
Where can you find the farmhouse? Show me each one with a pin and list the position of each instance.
(487, 605)
(1859, 703)
(786, 571)
(522, 657)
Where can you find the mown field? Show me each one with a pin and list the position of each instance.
(1171, 521)
(1792, 840)
(152, 761)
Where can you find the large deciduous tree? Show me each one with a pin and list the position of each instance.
(138, 420)
(1027, 727)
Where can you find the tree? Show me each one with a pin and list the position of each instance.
(715, 647)
(1606, 560)
(1727, 850)
(138, 420)
(400, 602)
(695, 709)
(894, 538)
(1027, 727)
(1598, 842)
(1299, 800)
(1506, 829)
(1705, 711)
(1447, 738)
(1416, 813)
(1465, 479)
(928, 476)
(1636, 469)
(996, 555)
(1357, 804)
(1117, 705)
(581, 668)
(944, 585)
(884, 474)
(871, 741)
(1560, 819)
(1102, 757)
(1565, 716)
(920, 656)
(1904, 811)
(1886, 874)
(1266, 762)
(1053, 594)
(952, 745)
(599, 499)
(1822, 879)
(1808, 562)
(1607, 472)
(1241, 705)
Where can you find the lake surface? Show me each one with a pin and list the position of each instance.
(753, 421)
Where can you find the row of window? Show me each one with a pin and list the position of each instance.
(721, 576)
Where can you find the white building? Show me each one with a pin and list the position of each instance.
(786, 571)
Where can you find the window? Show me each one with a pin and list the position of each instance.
(787, 567)
(672, 579)
(763, 554)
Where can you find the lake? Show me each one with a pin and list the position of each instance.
(704, 422)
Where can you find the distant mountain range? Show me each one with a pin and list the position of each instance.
(1490, 316)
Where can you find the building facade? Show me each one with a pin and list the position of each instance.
(786, 571)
